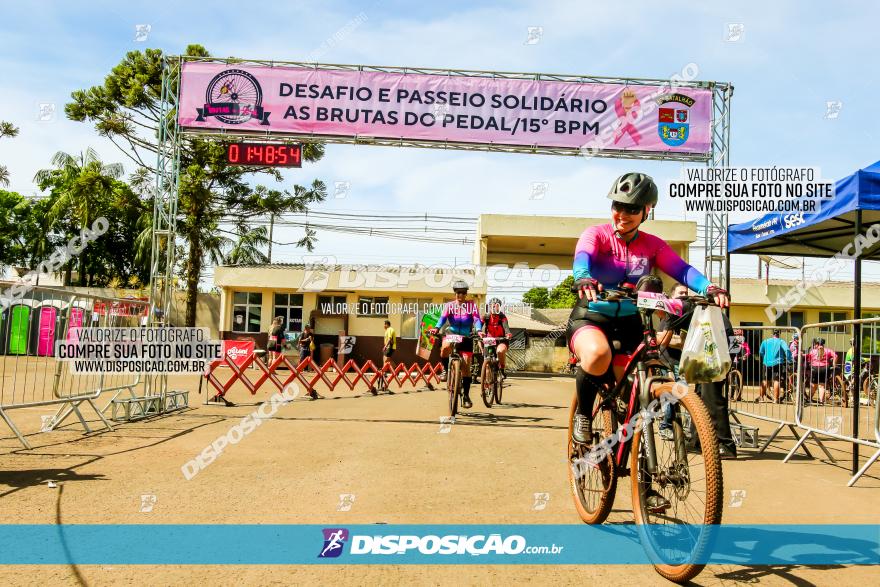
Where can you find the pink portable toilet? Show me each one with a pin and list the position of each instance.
(76, 316)
(44, 325)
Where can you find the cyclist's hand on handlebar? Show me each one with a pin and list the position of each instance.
(718, 295)
(588, 287)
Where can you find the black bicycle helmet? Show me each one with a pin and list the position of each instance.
(460, 284)
(633, 188)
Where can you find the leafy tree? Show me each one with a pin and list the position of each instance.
(126, 110)
(538, 297)
(7, 129)
(13, 213)
(561, 296)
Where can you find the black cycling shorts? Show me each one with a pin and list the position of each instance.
(776, 373)
(626, 330)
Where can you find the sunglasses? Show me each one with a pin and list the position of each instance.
(630, 209)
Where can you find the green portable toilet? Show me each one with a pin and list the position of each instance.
(19, 326)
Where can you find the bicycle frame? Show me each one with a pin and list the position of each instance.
(645, 357)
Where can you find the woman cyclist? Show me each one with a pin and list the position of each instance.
(607, 256)
(460, 316)
(495, 325)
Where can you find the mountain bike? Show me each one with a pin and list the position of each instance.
(685, 472)
(491, 385)
(454, 374)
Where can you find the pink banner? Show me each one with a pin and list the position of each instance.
(475, 110)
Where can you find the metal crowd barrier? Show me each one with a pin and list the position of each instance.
(839, 400)
(751, 386)
(33, 377)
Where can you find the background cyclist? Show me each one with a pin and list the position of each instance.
(495, 325)
(460, 316)
(606, 256)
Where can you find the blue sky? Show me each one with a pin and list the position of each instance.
(793, 57)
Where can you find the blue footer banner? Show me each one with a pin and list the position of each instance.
(485, 544)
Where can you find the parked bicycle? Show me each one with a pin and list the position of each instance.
(735, 382)
(676, 484)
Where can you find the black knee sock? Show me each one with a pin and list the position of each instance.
(587, 387)
(445, 362)
(466, 385)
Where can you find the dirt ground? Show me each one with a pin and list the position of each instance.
(389, 453)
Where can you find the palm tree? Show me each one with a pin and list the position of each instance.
(7, 129)
(274, 203)
(83, 186)
(246, 249)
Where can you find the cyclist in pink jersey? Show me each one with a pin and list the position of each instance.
(608, 256)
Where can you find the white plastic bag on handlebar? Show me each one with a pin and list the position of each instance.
(705, 355)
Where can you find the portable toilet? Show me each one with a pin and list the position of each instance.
(17, 327)
(48, 314)
(4, 328)
(76, 316)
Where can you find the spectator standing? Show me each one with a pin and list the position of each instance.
(276, 338)
(821, 361)
(775, 355)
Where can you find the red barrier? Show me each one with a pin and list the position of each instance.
(367, 373)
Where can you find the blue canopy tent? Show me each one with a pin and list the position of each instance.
(855, 206)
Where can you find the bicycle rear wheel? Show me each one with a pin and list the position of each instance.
(592, 487)
(735, 383)
(453, 384)
(838, 391)
(486, 389)
(677, 536)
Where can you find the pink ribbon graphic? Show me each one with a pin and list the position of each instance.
(627, 118)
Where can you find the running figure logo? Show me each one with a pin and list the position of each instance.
(334, 540)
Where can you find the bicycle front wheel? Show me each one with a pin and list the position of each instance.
(677, 505)
(496, 386)
(453, 384)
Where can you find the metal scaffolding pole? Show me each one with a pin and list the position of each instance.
(717, 260)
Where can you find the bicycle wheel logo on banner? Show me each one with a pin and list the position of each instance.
(234, 96)
(673, 119)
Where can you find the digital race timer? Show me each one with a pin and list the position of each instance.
(267, 154)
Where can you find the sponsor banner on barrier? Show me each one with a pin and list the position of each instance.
(312, 102)
(437, 544)
(238, 351)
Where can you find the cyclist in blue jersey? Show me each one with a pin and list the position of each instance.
(460, 316)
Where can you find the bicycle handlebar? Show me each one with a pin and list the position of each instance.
(612, 295)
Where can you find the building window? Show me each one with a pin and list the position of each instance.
(372, 306)
(246, 311)
(411, 316)
(332, 305)
(870, 335)
(290, 307)
(833, 317)
(795, 319)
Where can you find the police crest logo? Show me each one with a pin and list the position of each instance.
(672, 119)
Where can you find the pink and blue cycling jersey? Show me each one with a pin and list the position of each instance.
(461, 318)
(602, 255)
